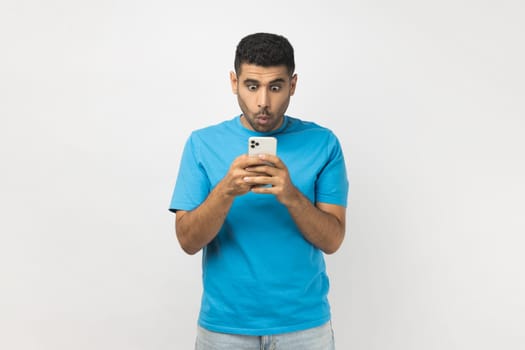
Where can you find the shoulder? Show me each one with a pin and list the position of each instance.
(223, 125)
(217, 130)
(312, 129)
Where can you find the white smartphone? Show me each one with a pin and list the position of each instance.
(262, 145)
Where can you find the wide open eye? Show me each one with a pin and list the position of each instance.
(275, 88)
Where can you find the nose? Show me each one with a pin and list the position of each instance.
(263, 100)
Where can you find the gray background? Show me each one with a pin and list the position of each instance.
(97, 98)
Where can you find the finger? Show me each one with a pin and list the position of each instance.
(263, 169)
(251, 161)
(273, 159)
(244, 161)
(262, 189)
(255, 171)
(258, 180)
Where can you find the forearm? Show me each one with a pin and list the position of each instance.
(324, 230)
(196, 228)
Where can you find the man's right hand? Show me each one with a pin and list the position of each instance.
(233, 183)
(198, 227)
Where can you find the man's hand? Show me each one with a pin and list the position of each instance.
(234, 182)
(322, 224)
(198, 227)
(275, 175)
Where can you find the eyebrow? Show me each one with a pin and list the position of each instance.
(253, 81)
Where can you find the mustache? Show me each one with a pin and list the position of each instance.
(264, 111)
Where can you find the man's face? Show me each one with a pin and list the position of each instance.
(263, 94)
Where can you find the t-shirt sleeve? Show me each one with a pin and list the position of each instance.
(192, 185)
(332, 183)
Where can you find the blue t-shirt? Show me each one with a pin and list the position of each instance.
(260, 276)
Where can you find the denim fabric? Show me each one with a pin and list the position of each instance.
(319, 338)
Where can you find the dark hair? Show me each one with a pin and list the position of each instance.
(266, 50)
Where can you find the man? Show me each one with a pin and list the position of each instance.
(262, 222)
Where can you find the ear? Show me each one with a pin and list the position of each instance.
(293, 84)
(234, 82)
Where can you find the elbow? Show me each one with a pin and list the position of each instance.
(334, 245)
(183, 236)
(331, 249)
(186, 246)
(189, 250)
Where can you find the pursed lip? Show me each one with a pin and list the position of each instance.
(263, 119)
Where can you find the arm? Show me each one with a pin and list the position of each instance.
(196, 228)
(322, 224)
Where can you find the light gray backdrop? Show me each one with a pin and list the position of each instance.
(97, 98)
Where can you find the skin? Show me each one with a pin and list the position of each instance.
(263, 94)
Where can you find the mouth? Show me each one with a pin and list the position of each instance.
(263, 118)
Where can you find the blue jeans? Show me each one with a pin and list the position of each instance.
(319, 338)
